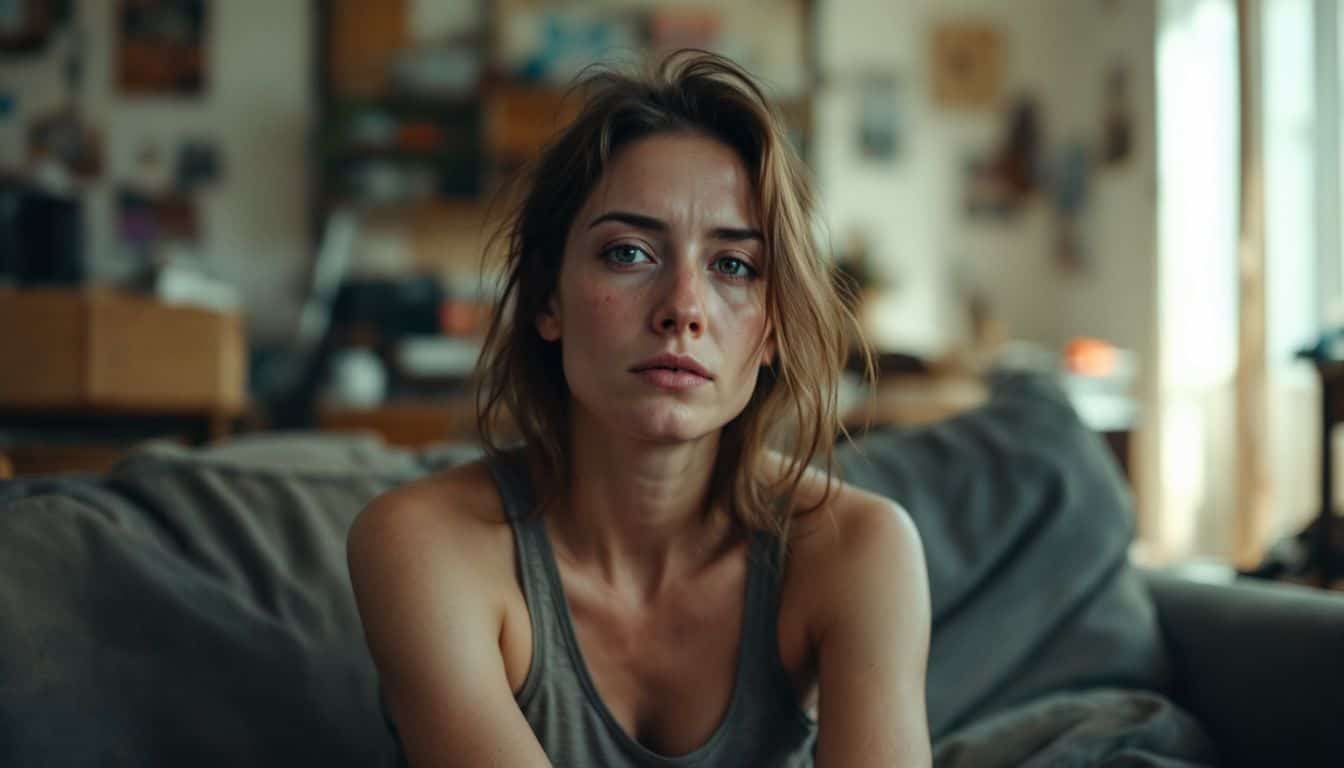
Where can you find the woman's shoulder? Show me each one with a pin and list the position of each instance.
(461, 497)
(838, 535)
(829, 516)
(452, 520)
(831, 528)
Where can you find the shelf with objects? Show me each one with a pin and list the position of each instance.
(423, 114)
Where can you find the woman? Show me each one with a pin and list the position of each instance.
(644, 583)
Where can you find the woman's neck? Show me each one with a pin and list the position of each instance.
(638, 512)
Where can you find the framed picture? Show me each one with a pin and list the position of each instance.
(161, 47)
(881, 124)
(967, 64)
(25, 25)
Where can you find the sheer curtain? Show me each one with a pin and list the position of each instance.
(1194, 504)
(1295, 252)
(1191, 509)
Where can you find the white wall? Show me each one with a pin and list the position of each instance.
(259, 104)
(1116, 296)
(257, 108)
(903, 208)
(1058, 51)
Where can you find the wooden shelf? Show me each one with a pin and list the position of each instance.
(410, 424)
(500, 126)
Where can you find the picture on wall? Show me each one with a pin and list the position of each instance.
(161, 47)
(967, 64)
(881, 124)
(25, 25)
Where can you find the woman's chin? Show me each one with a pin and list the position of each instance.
(651, 420)
(676, 424)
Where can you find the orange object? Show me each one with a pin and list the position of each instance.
(1090, 357)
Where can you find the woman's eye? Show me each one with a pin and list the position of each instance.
(734, 267)
(625, 254)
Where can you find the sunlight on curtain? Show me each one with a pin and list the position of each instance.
(1197, 281)
(1291, 260)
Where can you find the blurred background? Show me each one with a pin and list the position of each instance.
(220, 217)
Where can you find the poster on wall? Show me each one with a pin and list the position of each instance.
(967, 64)
(161, 47)
(881, 125)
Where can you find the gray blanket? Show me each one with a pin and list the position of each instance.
(193, 607)
(1102, 727)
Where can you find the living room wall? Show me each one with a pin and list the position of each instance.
(1056, 50)
(1059, 51)
(258, 104)
(255, 109)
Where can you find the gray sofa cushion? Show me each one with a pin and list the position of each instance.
(1026, 525)
(193, 608)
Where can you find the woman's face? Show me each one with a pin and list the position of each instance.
(660, 307)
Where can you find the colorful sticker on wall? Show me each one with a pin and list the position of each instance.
(152, 230)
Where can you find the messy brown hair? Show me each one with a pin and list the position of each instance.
(794, 407)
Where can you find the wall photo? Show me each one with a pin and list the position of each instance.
(881, 117)
(967, 64)
(161, 47)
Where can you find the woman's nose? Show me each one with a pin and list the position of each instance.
(680, 309)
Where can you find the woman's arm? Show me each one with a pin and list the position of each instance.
(872, 640)
(432, 622)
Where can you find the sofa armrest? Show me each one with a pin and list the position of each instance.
(1261, 666)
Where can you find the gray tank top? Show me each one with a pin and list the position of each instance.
(764, 725)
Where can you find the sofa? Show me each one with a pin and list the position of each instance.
(192, 607)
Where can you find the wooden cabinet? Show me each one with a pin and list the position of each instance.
(86, 373)
(104, 350)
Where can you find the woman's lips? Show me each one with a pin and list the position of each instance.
(676, 380)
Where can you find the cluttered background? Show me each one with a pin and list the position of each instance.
(220, 217)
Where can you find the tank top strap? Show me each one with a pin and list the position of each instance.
(766, 560)
(510, 473)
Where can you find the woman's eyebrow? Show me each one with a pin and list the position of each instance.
(658, 225)
(733, 233)
(633, 219)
